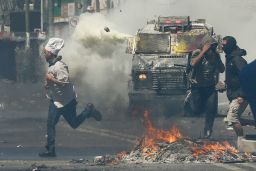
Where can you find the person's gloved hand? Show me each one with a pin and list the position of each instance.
(220, 86)
(240, 100)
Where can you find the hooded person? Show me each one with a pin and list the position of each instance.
(234, 65)
(62, 96)
(205, 63)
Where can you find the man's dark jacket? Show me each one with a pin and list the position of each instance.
(207, 68)
(234, 64)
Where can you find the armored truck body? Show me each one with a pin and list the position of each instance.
(161, 58)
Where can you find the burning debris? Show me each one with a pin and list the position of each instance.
(187, 151)
(36, 167)
(162, 146)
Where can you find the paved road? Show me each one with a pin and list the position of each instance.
(23, 128)
(67, 166)
(22, 137)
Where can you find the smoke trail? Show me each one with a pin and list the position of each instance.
(98, 62)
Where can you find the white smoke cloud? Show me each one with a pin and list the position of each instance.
(98, 62)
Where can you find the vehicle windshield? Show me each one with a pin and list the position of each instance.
(153, 43)
(189, 41)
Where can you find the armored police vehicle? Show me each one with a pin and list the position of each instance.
(161, 56)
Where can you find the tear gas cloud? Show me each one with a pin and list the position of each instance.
(98, 60)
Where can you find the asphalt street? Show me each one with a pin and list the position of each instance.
(22, 136)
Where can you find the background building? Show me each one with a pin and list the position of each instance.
(25, 25)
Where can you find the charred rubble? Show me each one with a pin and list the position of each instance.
(170, 146)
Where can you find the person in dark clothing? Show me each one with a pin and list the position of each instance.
(205, 64)
(234, 64)
(248, 84)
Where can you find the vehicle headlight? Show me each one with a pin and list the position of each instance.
(142, 77)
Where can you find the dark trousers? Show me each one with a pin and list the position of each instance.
(203, 100)
(69, 113)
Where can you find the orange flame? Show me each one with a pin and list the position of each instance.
(153, 136)
(150, 143)
(218, 148)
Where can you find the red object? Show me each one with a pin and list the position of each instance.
(167, 21)
(5, 35)
(179, 21)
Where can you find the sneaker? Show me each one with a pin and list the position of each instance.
(253, 154)
(94, 113)
(225, 120)
(47, 154)
(230, 128)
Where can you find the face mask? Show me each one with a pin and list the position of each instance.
(227, 48)
(230, 45)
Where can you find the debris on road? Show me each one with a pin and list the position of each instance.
(160, 146)
(104, 160)
(78, 160)
(187, 151)
(35, 167)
